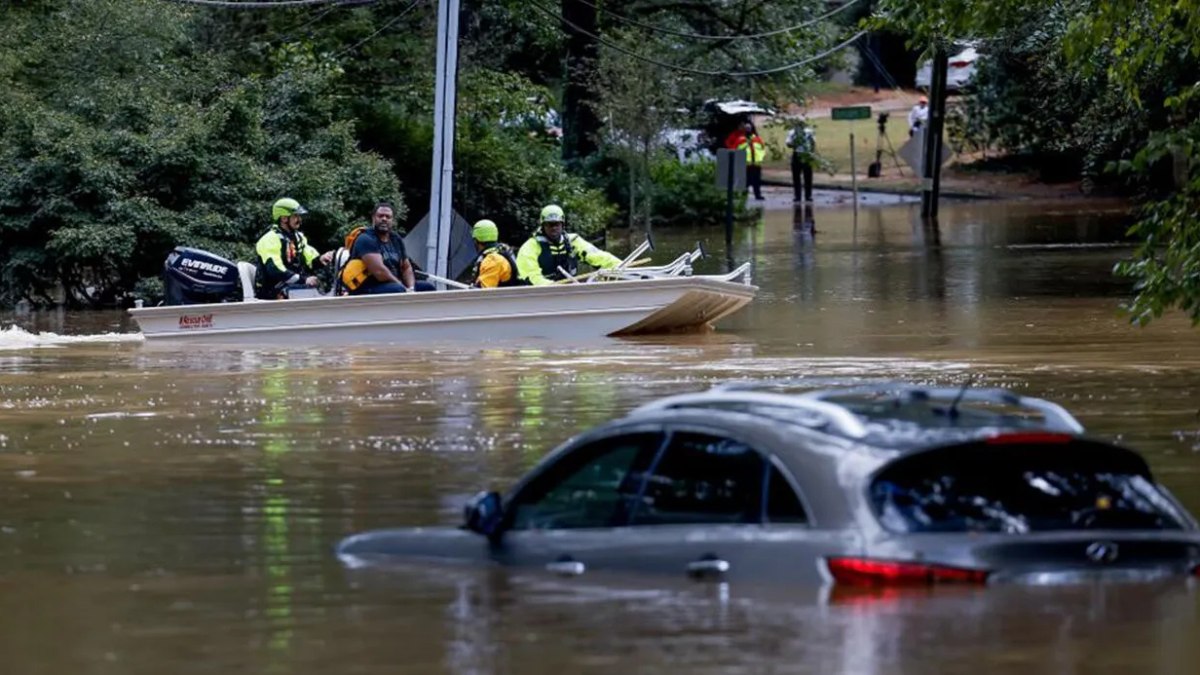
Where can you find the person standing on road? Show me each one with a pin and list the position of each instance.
(803, 142)
(752, 144)
(918, 116)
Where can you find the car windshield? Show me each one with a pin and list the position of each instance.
(1032, 487)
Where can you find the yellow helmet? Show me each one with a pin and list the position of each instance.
(553, 214)
(485, 232)
(286, 207)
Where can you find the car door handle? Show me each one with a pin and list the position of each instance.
(707, 567)
(567, 567)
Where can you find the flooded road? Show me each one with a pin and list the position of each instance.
(174, 510)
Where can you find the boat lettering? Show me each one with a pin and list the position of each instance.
(196, 321)
(206, 266)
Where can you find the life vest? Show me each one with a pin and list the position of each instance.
(554, 256)
(755, 150)
(290, 251)
(354, 272)
(805, 143)
(506, 253)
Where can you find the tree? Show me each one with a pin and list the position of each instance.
(1148, 51)
(116, 145)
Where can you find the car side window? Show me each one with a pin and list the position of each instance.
(591, 486)
(783, 504)
(702, 478)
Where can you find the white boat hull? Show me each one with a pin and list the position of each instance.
(558, 312)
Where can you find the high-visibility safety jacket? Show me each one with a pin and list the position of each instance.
(495, 267)
(281, 255)
(539, 258)
(755, 149)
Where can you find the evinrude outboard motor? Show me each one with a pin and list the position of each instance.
(194, 277)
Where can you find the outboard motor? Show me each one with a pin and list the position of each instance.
(194, 277)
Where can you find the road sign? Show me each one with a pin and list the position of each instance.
(913, 152)
(731, 160)
(854, 112)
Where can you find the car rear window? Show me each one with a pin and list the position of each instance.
(1021, 487)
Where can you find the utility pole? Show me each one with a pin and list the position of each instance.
(445, 105)
(932, 158)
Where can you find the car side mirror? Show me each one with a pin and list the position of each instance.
(483, 513)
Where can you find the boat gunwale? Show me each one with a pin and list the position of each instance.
(442, 297)
(384, 323)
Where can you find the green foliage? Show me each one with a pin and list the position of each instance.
(687, 195)
(1128, 67)
(127, 159)
(681, 194)
(507, 179)
(1025, 67)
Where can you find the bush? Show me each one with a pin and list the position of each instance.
(683, 194)
(687, 194)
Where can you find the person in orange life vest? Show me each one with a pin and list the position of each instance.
(382, 252)
(756, 152)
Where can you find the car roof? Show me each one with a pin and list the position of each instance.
(894, 417)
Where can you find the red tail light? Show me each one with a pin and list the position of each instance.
(868, 572)
(1029, 438)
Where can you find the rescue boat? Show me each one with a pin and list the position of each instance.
(210, 300)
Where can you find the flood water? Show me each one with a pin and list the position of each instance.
(174, 510)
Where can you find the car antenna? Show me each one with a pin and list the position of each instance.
(953, 411)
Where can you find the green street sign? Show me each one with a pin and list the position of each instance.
(854, 112)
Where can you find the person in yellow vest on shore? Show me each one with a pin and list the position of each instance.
(756, 151)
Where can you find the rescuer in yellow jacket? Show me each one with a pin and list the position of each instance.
(495, 266)
(550, 250)
(756, 151)
(285, 259)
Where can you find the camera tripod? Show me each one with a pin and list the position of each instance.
(875, 170)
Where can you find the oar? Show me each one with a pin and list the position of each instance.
(449, 282)
(596, 274)
(586, 277)
(567, 278)
(642, 248)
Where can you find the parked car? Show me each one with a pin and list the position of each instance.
(884, 485)
(959, 73)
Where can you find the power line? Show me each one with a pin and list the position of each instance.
(287, 34)
(886, 75)
(695, 71)
(270, 4)
(391, 22)
(735, 36)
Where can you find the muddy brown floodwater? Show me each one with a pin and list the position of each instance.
(174, 511)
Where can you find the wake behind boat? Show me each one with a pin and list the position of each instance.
(611, 303)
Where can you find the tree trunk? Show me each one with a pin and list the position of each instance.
(632, 195)
(580, 122)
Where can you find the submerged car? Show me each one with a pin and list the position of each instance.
(882, 485)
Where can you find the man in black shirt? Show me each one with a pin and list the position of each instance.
(388, 268)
